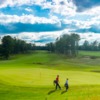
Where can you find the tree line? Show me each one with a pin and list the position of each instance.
(67, 44)
(11, 45)
(93, 46)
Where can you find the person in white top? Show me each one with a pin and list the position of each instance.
(66, 84)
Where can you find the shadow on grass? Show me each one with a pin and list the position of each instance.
(50, 92)
(63, 92)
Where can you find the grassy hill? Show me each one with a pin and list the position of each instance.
(30, 77)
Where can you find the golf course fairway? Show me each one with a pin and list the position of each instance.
(30, 77)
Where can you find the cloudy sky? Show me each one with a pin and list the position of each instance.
(42, 21)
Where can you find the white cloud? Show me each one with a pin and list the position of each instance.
(13, 3)
(90, 37)
(93, 11)
(84, 19)
(29, 10)
(37, 36)
(87, 24)
(4, 19)
(67, 8)
(93, 18)
(83, 24)
(31, 37)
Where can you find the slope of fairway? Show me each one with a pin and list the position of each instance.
(30, 77)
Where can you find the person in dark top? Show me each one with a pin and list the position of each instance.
(57, 82)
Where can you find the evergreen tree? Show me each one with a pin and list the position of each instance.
(7, 46)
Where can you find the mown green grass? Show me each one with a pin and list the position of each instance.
(90, 53)
(30, 77)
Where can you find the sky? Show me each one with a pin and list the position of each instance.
(42, 21)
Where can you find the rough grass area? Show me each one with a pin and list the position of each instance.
(30, 77)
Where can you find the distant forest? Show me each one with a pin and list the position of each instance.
(67, 44)
(11, 45)
(93, 46)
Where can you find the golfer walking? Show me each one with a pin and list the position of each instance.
(57, 83)
(66, 84)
